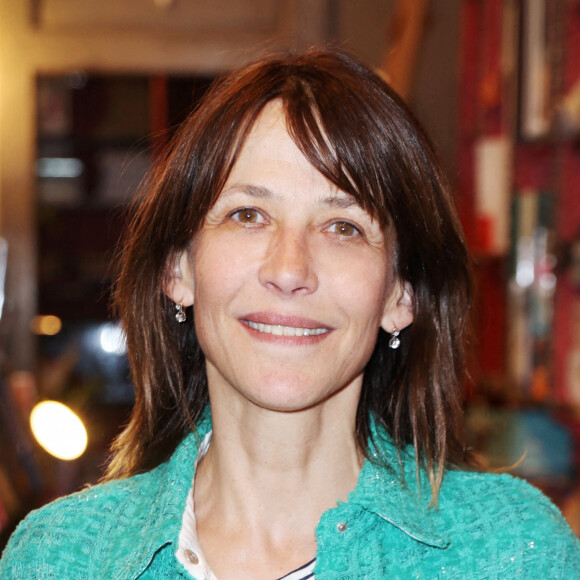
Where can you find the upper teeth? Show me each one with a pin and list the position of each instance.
(280, 330)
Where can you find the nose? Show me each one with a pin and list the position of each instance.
(288, 267)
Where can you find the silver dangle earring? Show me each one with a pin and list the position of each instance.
(180, 315)
(395, 341)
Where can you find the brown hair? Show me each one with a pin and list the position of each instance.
(355, 130)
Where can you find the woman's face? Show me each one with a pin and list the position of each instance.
(290, 279)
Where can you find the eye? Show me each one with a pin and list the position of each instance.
(344, 229)
(248, 215)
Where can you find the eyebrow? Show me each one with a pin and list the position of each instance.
(342, 200)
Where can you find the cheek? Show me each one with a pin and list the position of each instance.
(362, 287)
(214, 263)
(221, 267)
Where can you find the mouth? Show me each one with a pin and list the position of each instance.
(281, 330)
(273, 326)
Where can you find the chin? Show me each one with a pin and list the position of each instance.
(291, 403)
(286, 398)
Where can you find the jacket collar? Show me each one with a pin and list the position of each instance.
(390, 487)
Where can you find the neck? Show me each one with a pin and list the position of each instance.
(278, 472)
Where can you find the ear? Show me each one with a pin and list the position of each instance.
(398, 312)
(179, 284)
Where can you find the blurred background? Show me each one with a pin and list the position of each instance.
(90, 92)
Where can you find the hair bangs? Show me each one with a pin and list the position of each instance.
(331, 138)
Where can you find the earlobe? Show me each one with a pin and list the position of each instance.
(179, 285)
(399, 310)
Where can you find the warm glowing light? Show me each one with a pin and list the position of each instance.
(47, 325)
(58, 430)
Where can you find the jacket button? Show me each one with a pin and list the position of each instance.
(191, 557)
(341, 527)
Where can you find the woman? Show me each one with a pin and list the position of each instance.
(294, 291)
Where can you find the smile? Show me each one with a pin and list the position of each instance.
(279, 330)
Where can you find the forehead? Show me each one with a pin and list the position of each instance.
(270, 159)
(269, 137)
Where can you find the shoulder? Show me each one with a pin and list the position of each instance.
(511, 520)
(493, 495)
(110, 530)
(69, 534)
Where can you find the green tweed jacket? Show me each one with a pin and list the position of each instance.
(485, 526)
